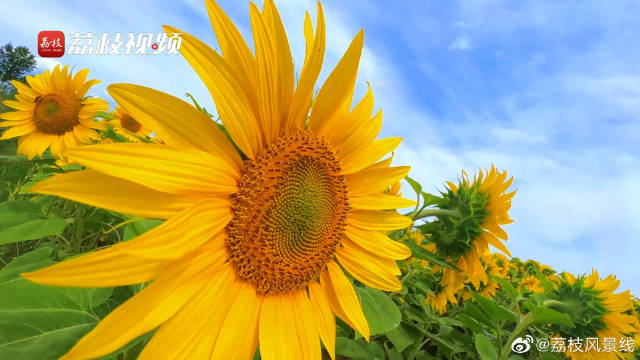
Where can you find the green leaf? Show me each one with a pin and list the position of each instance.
(470, 322)
(139, 227)
(544, 315)
(42, 322)
(415, 186)
(33, 260)
(430, 199)
(495, 311)
(474, 312)
(423, 254)
(402, 336)
(506, 286)
(485, 348)
(358, 349)
(381, 312)
(16, 212)
(448, 345)
(32, 230)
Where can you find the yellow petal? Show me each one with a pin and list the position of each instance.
(235, 50)
(16, 115)
(378, 243)
(496, 230)
(34, 144)
(369, 269)
(82, 91)
(309, 75)
(188, 230)
(192, 331)
(24, 90)
(287, 328)
(324, 319)
(354, 123)
(380, 164)
(19, 105)
(238, 337)
(380, 202)
(57, 145)
(156, 303)
(343, 299)
(13, 123)
(233, 105)
(159, 167)
(283, 61)
(268, 76)
(108, 267)
(492, 240)
(96, 189)
(176, 122)
(378, 220)
(334, 99)
(360, 160)
(18, 130)
(79, 79)
(374, 180)
(37, 84)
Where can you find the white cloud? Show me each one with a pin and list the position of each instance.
(461, 43)
(46, 63)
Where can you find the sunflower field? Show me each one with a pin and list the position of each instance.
(145, 227)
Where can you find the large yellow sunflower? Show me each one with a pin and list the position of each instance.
(597, 313)
(52, 112)
(255, 244)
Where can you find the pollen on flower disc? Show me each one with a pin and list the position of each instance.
(56, 114)
(289, 214)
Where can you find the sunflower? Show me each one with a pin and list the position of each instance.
(596, 312)
(255, 244)
(52, 112)
(124, 124)
(532, 283)
(476, 210)
(496, 266)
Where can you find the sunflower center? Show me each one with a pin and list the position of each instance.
(289, 214)
(56, 114)
(129, 123)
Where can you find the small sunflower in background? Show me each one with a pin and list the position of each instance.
(261, 226)
(124, 124)
(597, 312)
(53, 112)
(469, 219)
(495, 268)
(503, 263)
(532, 284)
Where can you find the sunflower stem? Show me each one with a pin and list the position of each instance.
(117, 226)
(435, 212)
(557, 303)
(523, 325)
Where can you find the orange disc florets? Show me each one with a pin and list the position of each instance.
(56, 114)
(289, 214)
(129, 123)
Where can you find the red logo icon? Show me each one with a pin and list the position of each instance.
(51, 43)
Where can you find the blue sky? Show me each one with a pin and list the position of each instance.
(548, 90)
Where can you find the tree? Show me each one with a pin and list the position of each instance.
(15, 62)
